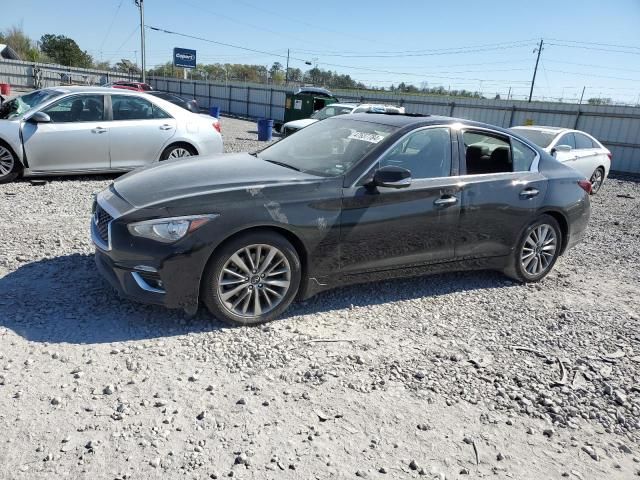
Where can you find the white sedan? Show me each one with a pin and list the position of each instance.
(337, 109)
(82, 130)
(574, 148)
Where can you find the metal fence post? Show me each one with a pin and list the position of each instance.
(575, 125)
(229, 99)
(513, 111)
(248, 93)
(270, 102)
(453, 107)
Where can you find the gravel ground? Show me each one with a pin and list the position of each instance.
(463, 375)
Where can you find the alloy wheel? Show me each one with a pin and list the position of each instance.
(254, 280)
(179, 152)
(539, 250)
(6, 161)
(596, 180)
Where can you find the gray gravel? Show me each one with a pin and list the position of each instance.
(408, 378)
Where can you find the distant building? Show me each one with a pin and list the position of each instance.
(8, 53)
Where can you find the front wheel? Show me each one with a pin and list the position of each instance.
(10, 167)
(537, 250)
(597, 179)
(252, 279)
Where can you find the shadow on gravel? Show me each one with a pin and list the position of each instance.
(379, 293)
(65, 300)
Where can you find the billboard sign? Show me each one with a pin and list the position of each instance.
(183, 57)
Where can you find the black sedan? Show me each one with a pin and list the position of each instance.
(346, 200)
(191, 105)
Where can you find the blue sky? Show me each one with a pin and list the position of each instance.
(485, 46)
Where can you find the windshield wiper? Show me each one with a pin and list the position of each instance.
(282, 164)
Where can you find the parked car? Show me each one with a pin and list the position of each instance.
(191, 105)
(577, 149)
(73, 130)
(135, 86)
(353, 198)
(337, 109)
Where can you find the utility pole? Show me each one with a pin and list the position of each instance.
(286, 75)
(533, 81)
(140, 5)
(582, 96)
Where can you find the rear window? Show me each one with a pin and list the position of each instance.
(541, 138)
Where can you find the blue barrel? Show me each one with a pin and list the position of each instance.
(265, 129)
(214, 111)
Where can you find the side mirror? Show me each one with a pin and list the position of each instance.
(562, 148)
(39, 117)
(392, 177)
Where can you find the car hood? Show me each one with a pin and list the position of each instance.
(188, 177)
(298, 124)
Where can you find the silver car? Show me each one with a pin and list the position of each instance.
(82, 130)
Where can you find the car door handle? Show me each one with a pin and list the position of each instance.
(446, 201)
(166, 126)
(529, 192)
(98, 130)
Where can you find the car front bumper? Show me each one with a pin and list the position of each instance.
(148, 271)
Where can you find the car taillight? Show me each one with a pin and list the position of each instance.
(610, 156)
(585, 185)
(217, 127)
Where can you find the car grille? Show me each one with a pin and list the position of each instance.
(101, 220)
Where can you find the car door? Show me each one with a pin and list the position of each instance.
(587, 156)
(76, 139)
(139, 130)
(386, 228)
(501, 191)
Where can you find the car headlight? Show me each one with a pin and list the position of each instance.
(169, 230)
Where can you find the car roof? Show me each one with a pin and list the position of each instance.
(91, 89)
(542, 128)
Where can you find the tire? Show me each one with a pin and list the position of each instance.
(235, 302)
(10, 166)
(177, 150)
(597, 179)
(532, 260)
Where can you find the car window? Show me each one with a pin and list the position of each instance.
(77, 108)
(523, 156)
(582, 141)
(486, 153)
(567, 139)
(426, 153)
(128, 107)
(328, 148)
(19, 105)
(542, 138)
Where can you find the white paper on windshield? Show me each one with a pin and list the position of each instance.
(366, 137)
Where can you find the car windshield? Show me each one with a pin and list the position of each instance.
(539, 137)
(17, 106)
(331, 111)
(328, 148)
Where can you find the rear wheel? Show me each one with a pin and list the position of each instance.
(179, 150)
(252, 279)
(10, 167)
(597, 179)
(537, 250)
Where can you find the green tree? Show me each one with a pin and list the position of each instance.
(599, 101)
(65, 51)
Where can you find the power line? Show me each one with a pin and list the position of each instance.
(595, 75)
(113, 20)
(635, 47)
(591, 65)
(585, 47)
(125, 42)
(427, 53)
(170, 32)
